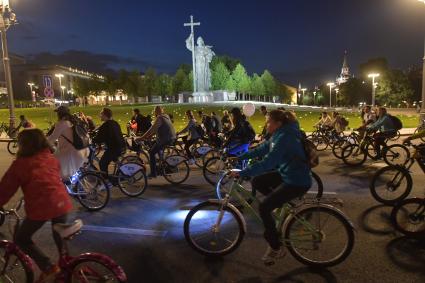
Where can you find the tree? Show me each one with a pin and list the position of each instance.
(182, 82)
(354, 91)
(231, 84)
(269, 83)
(415, 78)
(228, 61)
(149, 83)
(394, 89)
(283, 92)
(257, 86)
(162, 85)
(81, 87)
(219, 76)
(241, 79)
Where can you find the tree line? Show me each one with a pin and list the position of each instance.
(227, 74)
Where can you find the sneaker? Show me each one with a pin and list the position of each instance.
(49, 275)
(271, 255)
(191, 161)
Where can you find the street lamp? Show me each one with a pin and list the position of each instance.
(303, 90)
(330, 85)
(60, 76)
(422, 113)
(62, 93)
(7, 19)
(336, 96)
(373, 76)
(314, 97)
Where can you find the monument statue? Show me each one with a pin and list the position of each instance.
(203, 56)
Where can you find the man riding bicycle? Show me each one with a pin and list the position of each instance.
(241, 135)
(284, 150)
(165, 135)
(386, 129)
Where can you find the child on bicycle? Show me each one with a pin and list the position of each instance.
(284, 151)
(37, 172)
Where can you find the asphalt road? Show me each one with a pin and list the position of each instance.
(145, 235)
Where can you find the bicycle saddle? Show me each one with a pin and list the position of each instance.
(68, 230)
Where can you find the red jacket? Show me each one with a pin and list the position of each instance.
(39, 177)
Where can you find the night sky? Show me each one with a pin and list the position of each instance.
(299, 40)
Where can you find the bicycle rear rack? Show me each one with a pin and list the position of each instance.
(327, 198)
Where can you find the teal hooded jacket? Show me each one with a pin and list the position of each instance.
(284, 151)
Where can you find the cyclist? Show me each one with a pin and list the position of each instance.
(284, 150)
(136, 121)
(386, 129)
(192, 137)
(225, 121)
(241, 135)
(165, 135)
(109, 133)
(264, 134)
(24, 123)
(70, 158)
(37, 172)
(368, 117)
(325, 121)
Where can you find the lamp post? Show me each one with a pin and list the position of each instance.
(60, 76)
(330, 85)
(314, 97)
(303, 90)
(7, 19)
(422, 113)
(336, 96)
(62, 93)
(373, 76)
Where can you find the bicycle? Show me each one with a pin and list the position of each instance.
(338, 145)
(128, 172)
(357, 153)
(16, 266)
(408, 217)
(392, 184)
(421, 128)
(208, 228)
(174, 168)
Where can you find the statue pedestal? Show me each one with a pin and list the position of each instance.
(203, 97)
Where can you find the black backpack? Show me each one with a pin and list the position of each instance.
(249, 132)
(398, 125)
(80, 136)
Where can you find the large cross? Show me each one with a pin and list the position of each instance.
(192, 32)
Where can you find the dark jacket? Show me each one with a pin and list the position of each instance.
(284, 150)
(110, 134)
(240, 134)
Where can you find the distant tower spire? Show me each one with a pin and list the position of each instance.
(345, 71)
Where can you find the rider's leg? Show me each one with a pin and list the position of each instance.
(266, 182)
(58, 240)
(280, 195)
(104, 162)
(379, 140)
(155, 149)
(23, 239)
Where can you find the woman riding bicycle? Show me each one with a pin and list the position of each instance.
(285, 151)
(37, 172)
(241, 135)
(192, 137)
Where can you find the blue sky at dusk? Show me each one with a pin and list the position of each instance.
(298, 40)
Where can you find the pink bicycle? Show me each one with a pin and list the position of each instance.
(16, 266)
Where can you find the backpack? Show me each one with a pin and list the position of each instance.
(311, 153)
(80, 137)
(398, 125)
(344, 122)
(249, 132)
(200, 130)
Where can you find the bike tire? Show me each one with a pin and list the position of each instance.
(139, 177)
(416, 217)
(351, 150)
(308, 213)
(214, 206)
(12, 147)
(390, 185)
(181, 166)
(337, 148)
(23, 272)
(83, 266)
(394, 151)
(396, 137)
(320, 141)
(319, 183)
(92, 179)
(211, 174)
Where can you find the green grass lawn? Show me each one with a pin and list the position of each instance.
(42, 116)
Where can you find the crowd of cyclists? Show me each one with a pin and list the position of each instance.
(282, 172)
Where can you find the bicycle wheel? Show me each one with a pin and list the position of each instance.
(14, 268)
(12, 147)
(396, 137)
(203, 235)
(396, 154)
(391, 184)
(91, 191)
(408, 217)
(320, 142)
(176, 172)
(337, 148)
(353, 155)
(420, 129)
(96, 270)
(212, 169)
(132, 180)
(319, 236)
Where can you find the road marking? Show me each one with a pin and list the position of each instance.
(128, 231)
